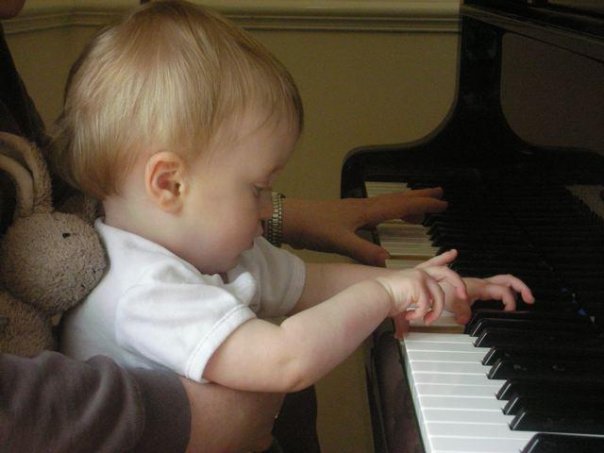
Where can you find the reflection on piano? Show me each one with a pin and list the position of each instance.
(530, 381)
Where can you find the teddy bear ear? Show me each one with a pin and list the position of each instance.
(23, 183)
(35, 189)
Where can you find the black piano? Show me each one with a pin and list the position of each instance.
(521, 161)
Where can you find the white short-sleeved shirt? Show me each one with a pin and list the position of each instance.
(155, 310)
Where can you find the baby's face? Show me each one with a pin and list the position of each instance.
(229, 193)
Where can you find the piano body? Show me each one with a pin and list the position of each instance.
(518, 203)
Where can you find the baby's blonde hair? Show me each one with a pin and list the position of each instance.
(169, 75)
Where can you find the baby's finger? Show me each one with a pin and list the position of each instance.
(439, 260)
(432, 192)
(438, 301)
(461, 310)
(516, 284)
(440, 274)
(423, 304)
(401, 326)
(499, 292)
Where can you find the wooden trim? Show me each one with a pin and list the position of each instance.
(303, 15)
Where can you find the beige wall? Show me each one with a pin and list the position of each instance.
(370, 72)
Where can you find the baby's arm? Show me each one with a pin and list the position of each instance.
(261, 356)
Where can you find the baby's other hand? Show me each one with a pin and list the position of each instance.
(499, 287)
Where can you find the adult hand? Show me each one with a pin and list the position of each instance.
(225, 420)
(331, 225)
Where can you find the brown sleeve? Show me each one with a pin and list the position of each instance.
(53, 403)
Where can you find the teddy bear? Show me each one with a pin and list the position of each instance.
(49, 260)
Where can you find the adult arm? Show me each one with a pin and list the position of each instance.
(332, 225)
(53, 403)
(225, 420)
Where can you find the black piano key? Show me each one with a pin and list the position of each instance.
(574, 419)
(569, 401)
(548, 369)
(503, 337)
(564, 443)
(563, 351)
(526, 315)
(534, 325)
(547, 389)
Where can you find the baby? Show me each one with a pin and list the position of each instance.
(180, 123)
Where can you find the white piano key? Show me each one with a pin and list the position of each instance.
(441, 338)
(440, 378)
(450, 444)
(400, 229)
(470, 403)
(439, 347)
(397, 263)
(442, 342)
(446, 356)
(375, 188)
(477, 430)
(487, 390)
(406, 240)
(463, 416)
(398, 250)
(460, 368)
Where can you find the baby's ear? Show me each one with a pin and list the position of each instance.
(164, 180)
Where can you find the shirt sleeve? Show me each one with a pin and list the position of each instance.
(53, 403)
(280, 276)
(172, 320)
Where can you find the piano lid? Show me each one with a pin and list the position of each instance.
(594, 8)
(566, 11)
(529, 89)
(577, 26)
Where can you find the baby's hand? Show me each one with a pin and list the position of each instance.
(498, 287)
(420, 288)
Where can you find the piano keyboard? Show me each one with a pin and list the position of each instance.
(407, 243)
(454, 393)
(456, 401)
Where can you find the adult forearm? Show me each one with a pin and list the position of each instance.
(226, 420)
(52, 403)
